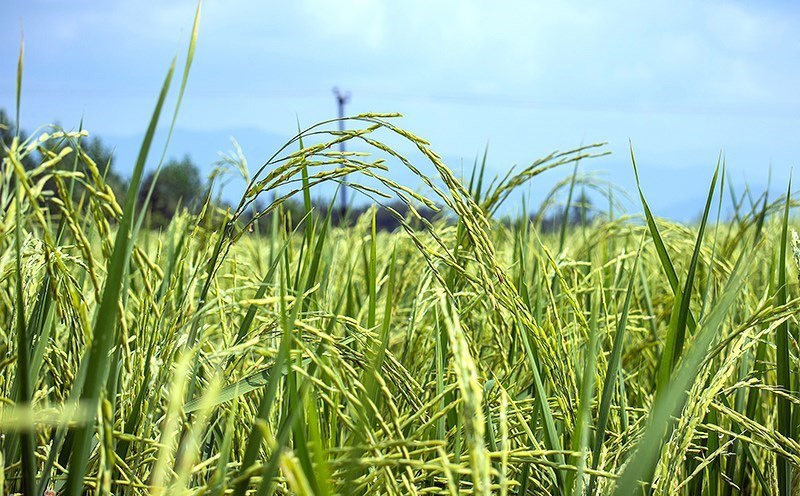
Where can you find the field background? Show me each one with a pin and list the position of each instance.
(266, 350)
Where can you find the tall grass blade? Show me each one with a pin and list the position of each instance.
(638, 472)
(658, 242)
(783, 366)
(25, 389)
(104, 332)
(611, 378)
(673, 346)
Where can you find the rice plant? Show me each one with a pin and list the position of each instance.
(466, 355)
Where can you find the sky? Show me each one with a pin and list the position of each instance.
(682, 81)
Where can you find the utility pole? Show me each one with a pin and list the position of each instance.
(342, 99)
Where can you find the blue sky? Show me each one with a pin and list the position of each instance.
(682, 80)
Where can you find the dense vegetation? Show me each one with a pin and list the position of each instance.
(463, 355)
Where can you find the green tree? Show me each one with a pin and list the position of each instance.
(178, 184)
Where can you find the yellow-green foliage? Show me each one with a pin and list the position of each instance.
(435, 360)
(229, 353)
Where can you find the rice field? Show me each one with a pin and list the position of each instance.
(242, 352)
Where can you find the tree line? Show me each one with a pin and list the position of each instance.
(180, 185)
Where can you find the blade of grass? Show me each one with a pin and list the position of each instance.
(255, 438)
(783, 365)
(565, 223)
(104, 332)
(25, 390)
(676, 335)
(20, 65)
(610, 382)
(639, 471)
(581, 434)
(551, 440)
(658, 242)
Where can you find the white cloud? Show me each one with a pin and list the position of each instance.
(579, 53)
